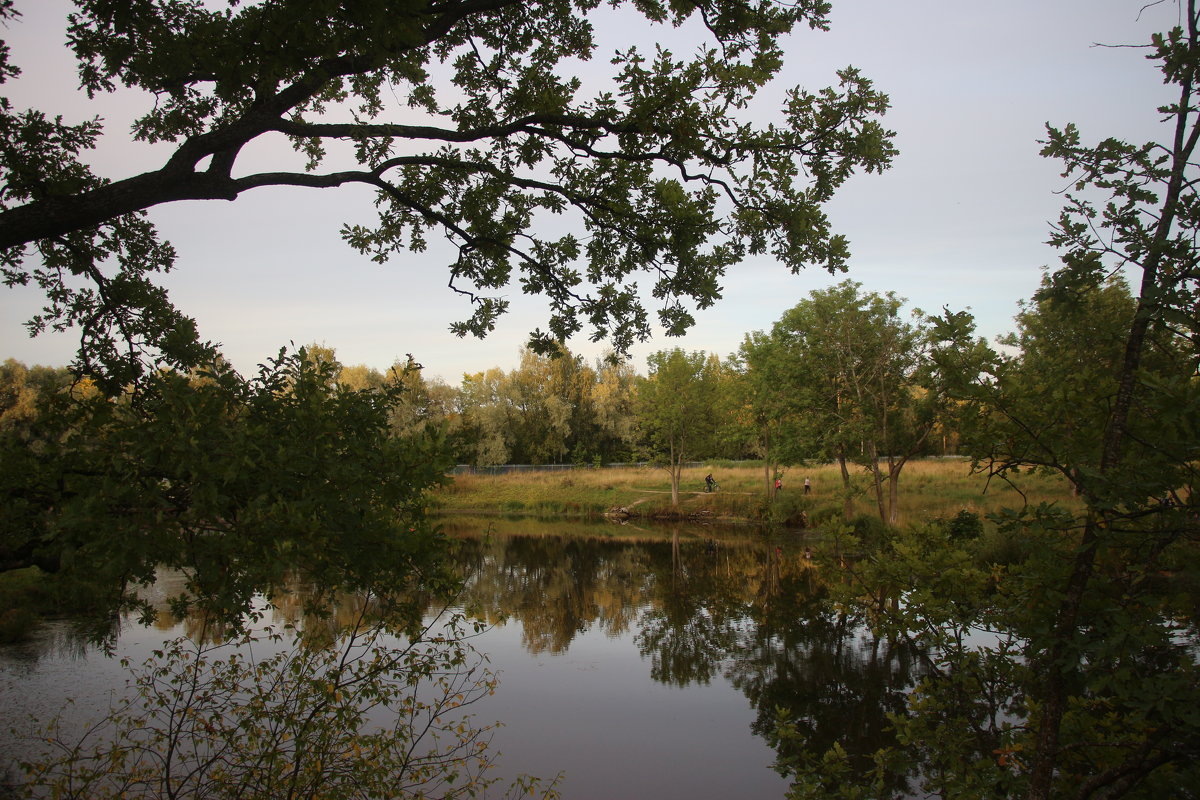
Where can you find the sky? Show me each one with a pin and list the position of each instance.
(960, 220)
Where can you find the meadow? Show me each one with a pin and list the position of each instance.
(928, 489)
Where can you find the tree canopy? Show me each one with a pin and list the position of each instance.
(470, 121)
(680, 407)
(237, 482)
(1066, 666)
(842, 376)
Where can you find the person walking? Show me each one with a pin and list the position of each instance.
(807, 486)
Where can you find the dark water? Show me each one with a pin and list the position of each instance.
(640, 662)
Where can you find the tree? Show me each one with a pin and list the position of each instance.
(1148, 443)
(653, 173)
(363, 715)
(679, 408)
(550, 397)
(21, 388)
(1053, 394)
(237, 482)
(613, 399)
(485, 416)
(851, 369)
(539, 413)
(766, 404)
(1125, 665)
(1086, 684)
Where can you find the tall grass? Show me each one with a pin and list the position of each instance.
(928, 489)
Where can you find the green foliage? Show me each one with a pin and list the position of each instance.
(661, 172)
(790, 507)
(20, 389)
(870, 530)
(920, 587)
(764, 404)
(1060, 647)
(1001, 546)
(1046, 403)
(279, 715)
(842, 376)
(549, 410)
(236, 481)
(681, 409)
(23, 592)
(834, 774)
(964, 526)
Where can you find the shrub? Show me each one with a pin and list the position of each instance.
(870, 530)
(964, 526)
(1000, 546)
(225, 720)
(24, 595)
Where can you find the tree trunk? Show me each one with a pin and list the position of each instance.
(894, 489)
(767, 465)
(1056, 664)
(873, 452)
(1061, 656)
(847, 498)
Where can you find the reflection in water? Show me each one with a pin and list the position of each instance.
(700, 604)
(709, 615)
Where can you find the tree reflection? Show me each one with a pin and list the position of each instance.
(556, 586)
(835, 682)
(698, 597)
(700, 604)
(705, 604)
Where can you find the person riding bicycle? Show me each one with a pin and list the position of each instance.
(709, 482)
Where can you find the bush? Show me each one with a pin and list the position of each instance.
(24, 595)
(999, 546)
(964, 526)
(16, 624)
(870, 530)
(230, 721)
(824, 516)
(790, 508)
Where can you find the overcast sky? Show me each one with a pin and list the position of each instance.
(960, 220)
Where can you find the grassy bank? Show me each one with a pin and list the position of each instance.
(928, 488)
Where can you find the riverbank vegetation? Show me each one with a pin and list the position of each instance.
(935, 488)
(153, 450)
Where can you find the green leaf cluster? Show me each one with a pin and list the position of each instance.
(241, 483)
(470, 122)
(277, 715)
(842, 376)
(681, 406)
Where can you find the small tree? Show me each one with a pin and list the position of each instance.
(679, 406)
(850, 371)
(278, 715)
(765, 407)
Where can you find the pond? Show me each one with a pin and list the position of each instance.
(639, 661)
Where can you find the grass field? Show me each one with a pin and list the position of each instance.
(928, 488)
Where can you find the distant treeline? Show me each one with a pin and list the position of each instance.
(555, 410)
(840, 377)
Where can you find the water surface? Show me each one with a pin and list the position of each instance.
(639, 661)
